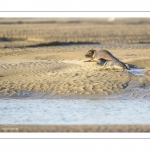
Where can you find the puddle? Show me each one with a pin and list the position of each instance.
(25, 111)
(137, 71)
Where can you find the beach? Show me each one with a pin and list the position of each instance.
(45, 58)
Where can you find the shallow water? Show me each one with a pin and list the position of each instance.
(25, 111)
(137, 71)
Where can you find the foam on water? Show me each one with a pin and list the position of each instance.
(137, 71)
(25, 111)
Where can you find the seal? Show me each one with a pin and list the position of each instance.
(101, 61)
(97, 54)
(112, 64)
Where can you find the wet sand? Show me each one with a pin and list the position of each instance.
(75, 128)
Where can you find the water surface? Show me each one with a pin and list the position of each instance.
(25, 111)
(137, 71)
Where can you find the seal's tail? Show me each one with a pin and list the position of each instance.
(126, 66)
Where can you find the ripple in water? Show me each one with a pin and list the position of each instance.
(137, 71)
(74, 111)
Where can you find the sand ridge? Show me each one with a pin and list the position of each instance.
(63, 75)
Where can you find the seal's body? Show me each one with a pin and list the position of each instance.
(112, 64)
(97, 54)
(101, 61)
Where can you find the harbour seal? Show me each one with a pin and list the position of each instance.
(101, 61)
(112, 64)
(97, 54)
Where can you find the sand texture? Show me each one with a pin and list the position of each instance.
(43, 57)
(75, 128)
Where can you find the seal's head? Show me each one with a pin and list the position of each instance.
(90, 54)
